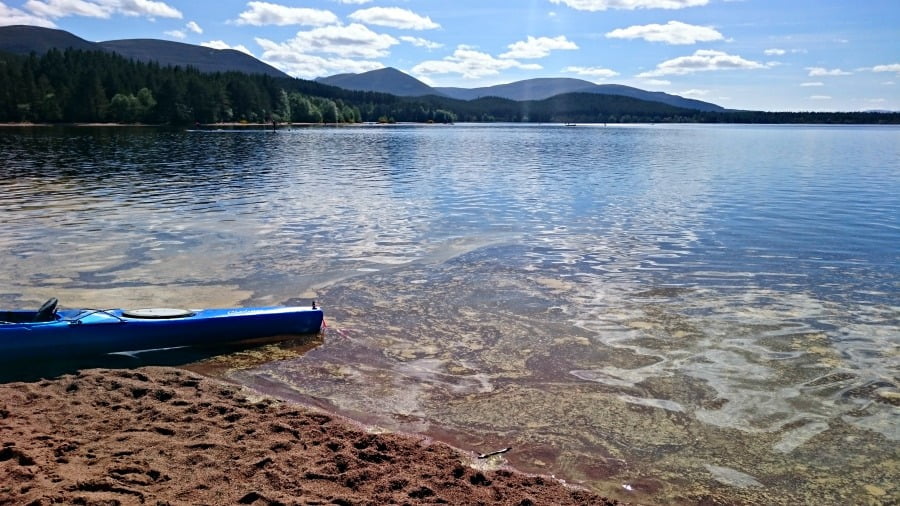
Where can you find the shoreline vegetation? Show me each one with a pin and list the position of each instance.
(281, 126)
(160, 435)
(88, 87)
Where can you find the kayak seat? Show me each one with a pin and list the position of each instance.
(47, 311)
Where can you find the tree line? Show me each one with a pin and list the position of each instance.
(75, 86)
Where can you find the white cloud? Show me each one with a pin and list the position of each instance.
(394, 17)
(350, 41)
(147, 8)
(63, 8)
(194, 27)
(220, 44)
(328, 50)
(420, 42)
(602, 5)
(13, 16)
(307, 66)
(774, 52)
(694, 92)
(888, 83)
(657, 82)
(470, 64)
(820, 97)
(265, 13)
(893, 67)
(596, 72)
(673, 32)
(538, 47)
(813, 83)
(357, 2)
(822, 71)
(702, 60)
(176, 34)
(102, 8)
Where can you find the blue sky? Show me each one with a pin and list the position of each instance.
(784, 55)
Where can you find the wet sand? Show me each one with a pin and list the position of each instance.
(169, 436)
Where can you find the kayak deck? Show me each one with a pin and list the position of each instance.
(29, 334)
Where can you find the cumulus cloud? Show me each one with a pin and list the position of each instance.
(265, 13)
(101, 8)
(350, 41)
(595, 72)
(703, 60)
(812, 84)
(538, 47)
(774, 52)
(13, 16)
(694, 92)
(309, 66)
(657, 82)
(893, 67)
(602, 5)
(394, 17)
(822, 71)
(420, 42)
(221, 44)
(673, 32)
(820, 97)
(328, 50)
(63, 8)
(147, 8)
(181, 34)
(470, 64)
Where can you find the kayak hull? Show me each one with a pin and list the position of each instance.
(81, 333)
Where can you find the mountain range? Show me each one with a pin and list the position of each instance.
(20, 39)
(395, 82)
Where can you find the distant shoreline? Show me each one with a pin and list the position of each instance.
(268, 126)
(27, 124)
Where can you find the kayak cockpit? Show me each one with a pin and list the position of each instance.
(46, 313)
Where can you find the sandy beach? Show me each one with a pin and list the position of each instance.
(159, 435)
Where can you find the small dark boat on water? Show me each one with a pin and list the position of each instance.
(67, 333)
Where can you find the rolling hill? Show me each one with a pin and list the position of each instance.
(21, 39)
(389, 78)
(542, 88)
(395, 82)
(18, 39)
(202, 58)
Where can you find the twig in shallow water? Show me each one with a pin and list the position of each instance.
(498, 452)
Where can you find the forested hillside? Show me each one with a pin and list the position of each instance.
(95, 86)
(75, 86)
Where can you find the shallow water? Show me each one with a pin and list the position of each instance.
(660, 313)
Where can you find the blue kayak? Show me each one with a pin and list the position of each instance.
(49, 332)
